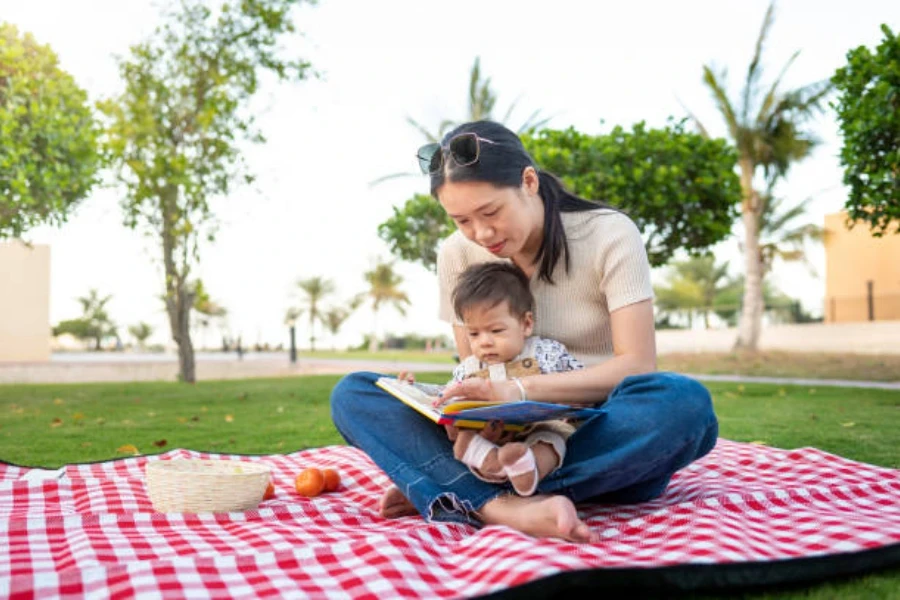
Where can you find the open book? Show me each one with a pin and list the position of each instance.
(473, 413)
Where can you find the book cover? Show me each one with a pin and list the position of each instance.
(473, 413)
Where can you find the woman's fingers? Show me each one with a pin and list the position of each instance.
(406, 376)
(452, 432)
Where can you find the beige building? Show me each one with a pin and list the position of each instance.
(862, 273)
(24, 302)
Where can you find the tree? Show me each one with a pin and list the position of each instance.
(868, 111)
(693, 284)
(413, 231)
(767, 129)
(94, 323)
(780, 238)
(678, 187)
(384, 290)
(173, 136)
(314, 290)
(334, 319)
(49, 157)
(141, 332)
(205, 307)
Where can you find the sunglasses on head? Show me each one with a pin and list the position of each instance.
(464, 149)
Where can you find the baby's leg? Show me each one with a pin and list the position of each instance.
(527, 463)
(480, 455)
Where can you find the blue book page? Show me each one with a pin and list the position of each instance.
(522, 412)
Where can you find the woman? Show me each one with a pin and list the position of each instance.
(590, 276)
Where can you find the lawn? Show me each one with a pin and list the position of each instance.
(49, 425)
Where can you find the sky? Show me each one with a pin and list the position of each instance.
(313, 210)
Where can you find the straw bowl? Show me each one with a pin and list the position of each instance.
(196, 486)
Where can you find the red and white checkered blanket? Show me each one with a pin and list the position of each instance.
(93, 532)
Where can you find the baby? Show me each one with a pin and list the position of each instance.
(496, 306)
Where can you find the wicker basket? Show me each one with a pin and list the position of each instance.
(195, 486)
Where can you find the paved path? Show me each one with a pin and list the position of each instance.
(80, 371)
(881, 385)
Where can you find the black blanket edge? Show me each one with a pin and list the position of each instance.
(707, 577)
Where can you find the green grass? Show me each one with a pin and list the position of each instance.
(50, 425)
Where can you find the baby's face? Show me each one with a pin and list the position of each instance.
(496, 335)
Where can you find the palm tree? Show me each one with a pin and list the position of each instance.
(766, 126)
(482, 100)
(206, 308)
(694, 284)
(314, 290)
(333, 320)
(780, 237)
(384, 289)
(140, 332)
(95, 315)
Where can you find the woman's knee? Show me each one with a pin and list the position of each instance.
(349, 390)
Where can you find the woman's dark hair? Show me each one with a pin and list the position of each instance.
(502, 163)
(491, 283)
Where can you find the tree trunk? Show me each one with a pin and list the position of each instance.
(750, 323)
(179, 300)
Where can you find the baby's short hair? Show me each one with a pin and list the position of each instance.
(491, 283)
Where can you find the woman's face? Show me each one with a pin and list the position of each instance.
(508, 222)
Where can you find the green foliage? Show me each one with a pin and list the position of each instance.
(384, 290)
(141, 332)
(48, 154)
(868, 110)
(679, 187)
(174, 135)
(314, 290)
(94, 324)
(413, 232)
(693, 285)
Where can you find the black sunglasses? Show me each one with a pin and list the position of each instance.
(464, 149)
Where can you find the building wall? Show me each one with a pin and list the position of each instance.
(24, 302)
(853, 259)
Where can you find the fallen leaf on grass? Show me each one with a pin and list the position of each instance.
(160, 443)
(86, 444)
(77, 416)
(850, 424)
(182, 419)
(280, 409)
(57, 422)
(128, 449)
(100, 421)
(229, 418)
(58, 401)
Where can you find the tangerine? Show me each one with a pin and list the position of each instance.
(309, 482)
(332, 479)
(270, 491)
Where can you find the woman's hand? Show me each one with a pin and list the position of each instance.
(406, 376)
(482, 390)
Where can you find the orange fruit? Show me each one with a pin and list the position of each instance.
(309, 482)
(332, 479)
(270, 491)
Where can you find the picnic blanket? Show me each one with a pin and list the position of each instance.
(743, 511)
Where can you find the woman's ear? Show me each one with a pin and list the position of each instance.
(530, 181)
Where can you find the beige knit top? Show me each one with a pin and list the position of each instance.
(608, 269)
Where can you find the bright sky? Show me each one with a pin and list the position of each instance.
(313, 212)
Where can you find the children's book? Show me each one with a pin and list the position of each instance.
(473, 413)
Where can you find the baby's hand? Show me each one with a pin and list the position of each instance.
(406, 376)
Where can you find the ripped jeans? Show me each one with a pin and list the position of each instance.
(649, 427)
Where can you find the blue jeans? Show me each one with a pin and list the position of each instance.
(649, 427)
